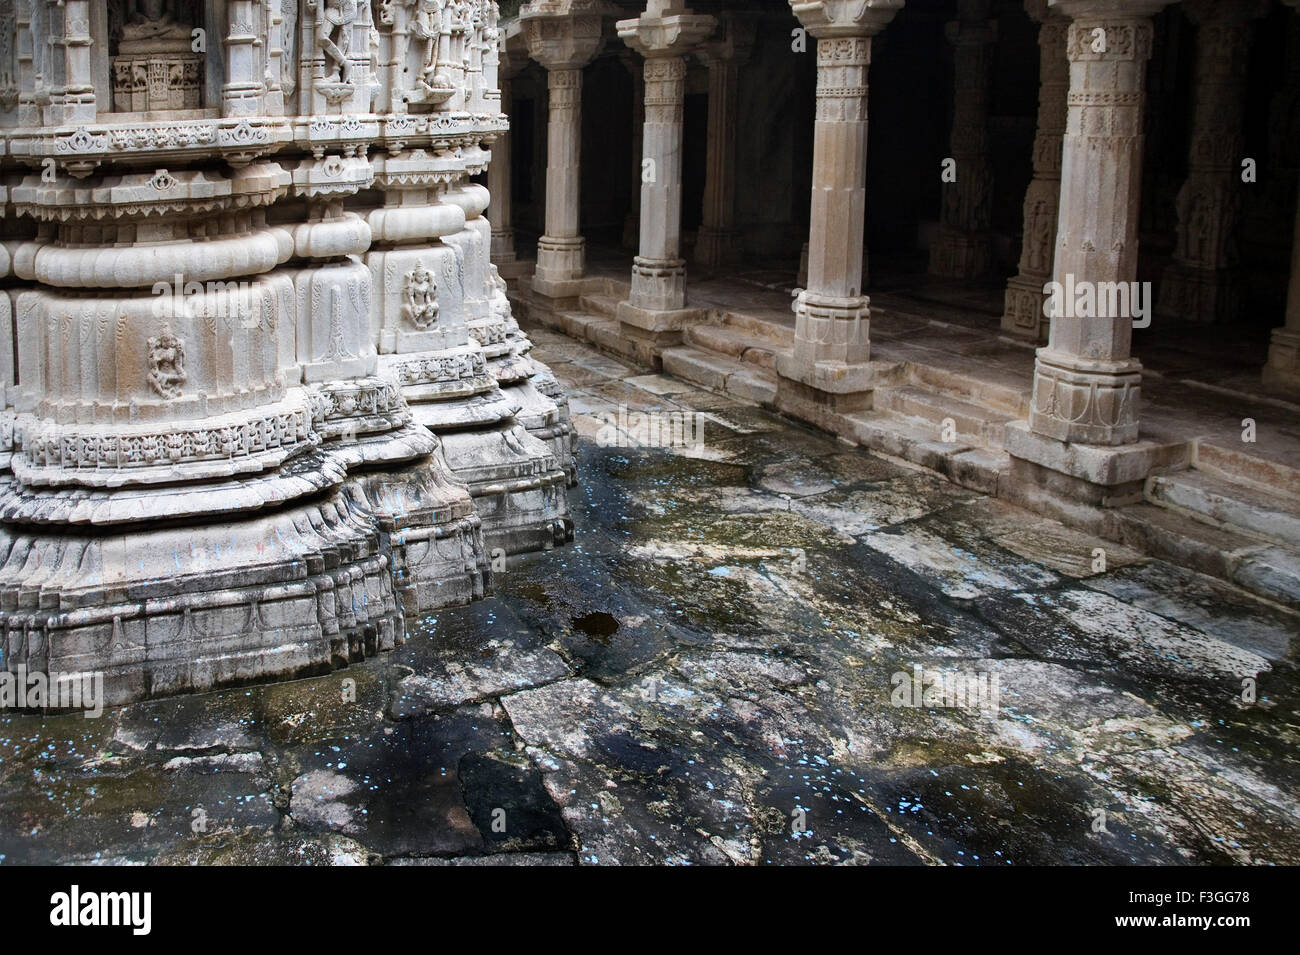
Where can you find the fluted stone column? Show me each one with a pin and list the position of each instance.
(563, 38)
(962, 247)
(718, 240)
(1087, 385)
(828, 367)
(653, 316)
(1203, 284)
(1024, 314)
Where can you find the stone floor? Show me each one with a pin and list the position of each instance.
(707, 675)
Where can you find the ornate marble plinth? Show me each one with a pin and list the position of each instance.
(269, 404)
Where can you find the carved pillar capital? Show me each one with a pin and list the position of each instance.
(674, 35)
(838, 18)
(565, 40)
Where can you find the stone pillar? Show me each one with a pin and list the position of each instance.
(828, 369)
(1203, 284)
(962, 247)
(636, 70)
(1024, 314)
(718, 240)
(563, 38)
(1283, 368)
(654, 315)
(499, 179)
(1087, 386)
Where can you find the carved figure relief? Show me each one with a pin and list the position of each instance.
(166, 363)
(334, 21)
(420, 297)
(289, 46)
(8, 66)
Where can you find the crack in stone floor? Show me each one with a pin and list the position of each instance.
(708, 675)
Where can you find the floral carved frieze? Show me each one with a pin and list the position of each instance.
(68, 447)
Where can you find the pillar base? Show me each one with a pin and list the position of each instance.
(503, 247)
(560, 264)
(1082, 401)
(831, 331)
(1089, 474)
(961, 255)
(648, 331)
(658, 285)
(1283, 369)
(1023, 315)
(822, 392)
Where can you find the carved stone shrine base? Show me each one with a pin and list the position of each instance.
(184, 608)
(519, 487)
(431, 534)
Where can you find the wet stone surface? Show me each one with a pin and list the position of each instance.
(720, 671)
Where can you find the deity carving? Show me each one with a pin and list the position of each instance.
(151, 27)
(334, 22)
(166, 363)
(420, 297)
(289, 46)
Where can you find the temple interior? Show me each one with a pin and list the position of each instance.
(440, 432)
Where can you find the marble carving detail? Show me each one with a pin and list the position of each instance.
(269, 404)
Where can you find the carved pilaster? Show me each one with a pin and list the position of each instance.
(1203, 284)
(718, 240)
(1024, 314)
(962, 247)
(245, 84)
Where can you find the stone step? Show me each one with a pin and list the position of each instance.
(979, 424)
(917, 441)
(599, 303)
(1012, 401)
(1236, 505)
(777, 336)
(1237, 465)
(1264, 569)
(733, 342)
(720, 373)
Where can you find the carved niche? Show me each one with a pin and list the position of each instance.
(155, 67)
